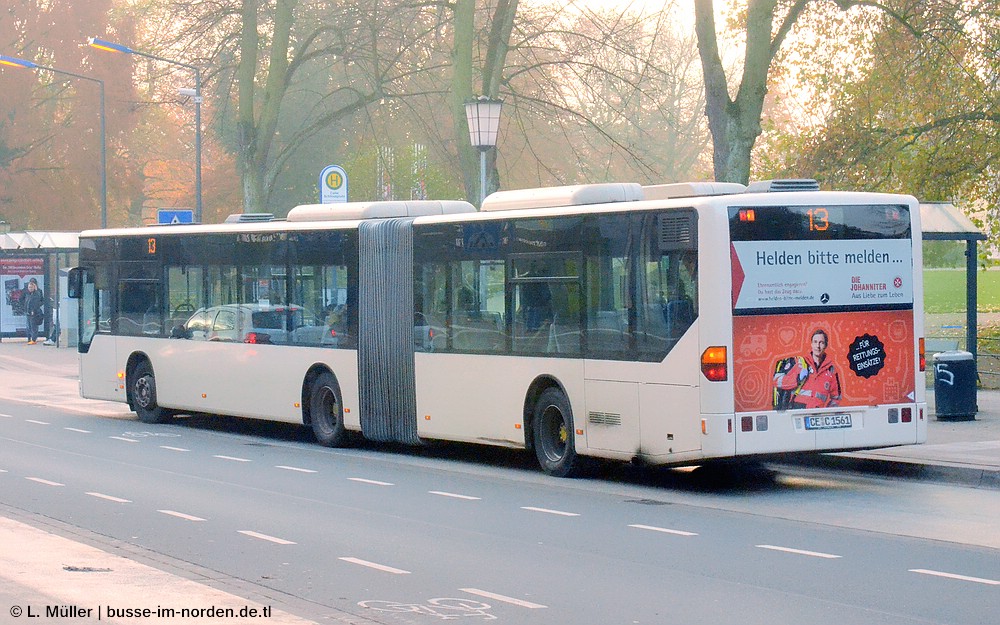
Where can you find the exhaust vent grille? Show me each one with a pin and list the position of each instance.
(605, 418)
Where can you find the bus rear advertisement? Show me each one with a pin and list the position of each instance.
(669, 324)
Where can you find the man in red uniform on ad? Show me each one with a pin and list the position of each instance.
(821, 388)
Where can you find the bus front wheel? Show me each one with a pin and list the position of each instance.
(553, 434)
(144, 395)
(326, 411)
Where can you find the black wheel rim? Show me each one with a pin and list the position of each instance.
(554, 434)
(326, 409)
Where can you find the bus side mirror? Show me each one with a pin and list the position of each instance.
(75, 280)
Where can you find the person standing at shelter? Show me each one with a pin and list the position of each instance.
(34, 310)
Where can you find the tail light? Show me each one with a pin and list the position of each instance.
(907, 415)
(923, 355)
(257, 338)
(714, 364)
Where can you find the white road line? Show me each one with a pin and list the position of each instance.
(173, 448)
(38, 422)
(375, 482)
(377, 567)
(801, 552)
(46, 482)
(664, 530)
(109, 498)
(503, 598)
(964, 578)
(6, 416)
(122, 438)
(547, 511)
(454, 495)
(287, 468)
(234, 459)
(280, 541)
(78, 430)
(181, 515)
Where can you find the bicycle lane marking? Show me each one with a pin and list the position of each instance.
(505, 599)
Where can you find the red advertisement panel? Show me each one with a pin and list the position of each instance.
(816, 360)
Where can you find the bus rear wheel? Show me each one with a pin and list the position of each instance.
(553, 434)
(144, 395)
(326, 411)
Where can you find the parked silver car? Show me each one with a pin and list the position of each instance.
(257, 323)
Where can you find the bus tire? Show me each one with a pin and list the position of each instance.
(144, 395)
(553, 434)
(326, 411)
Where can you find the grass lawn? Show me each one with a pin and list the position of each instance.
(944, 290)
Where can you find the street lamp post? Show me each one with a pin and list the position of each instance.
(483, 116)
(15, 62)
(109, 46)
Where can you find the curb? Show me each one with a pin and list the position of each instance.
(970, 476)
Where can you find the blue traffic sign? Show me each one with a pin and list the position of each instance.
(175, 216)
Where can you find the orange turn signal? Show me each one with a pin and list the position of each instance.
(714, 364)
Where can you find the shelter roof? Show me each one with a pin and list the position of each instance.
(944, 221)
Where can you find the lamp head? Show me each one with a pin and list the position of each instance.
(108, 46)
(483, 117)
(15, 62)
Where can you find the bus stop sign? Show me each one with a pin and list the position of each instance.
(175, 216)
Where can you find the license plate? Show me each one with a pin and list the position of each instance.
(828, 422)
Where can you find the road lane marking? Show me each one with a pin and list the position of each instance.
(492, 595)
(37, 422)
(454, 495)
(547, 511)
(6, 416)
(287, 468)
(273, 539)
(375, 482)
(181, 515)
(109, 498)
(78, 430)
(234, 459)
(964, 578)
(376, 566)
(664, 530)
(122, 438)
(173, 448)
(801, 552)
(46, 482)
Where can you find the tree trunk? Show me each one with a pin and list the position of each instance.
(246, 127)
(461, 90)
(255, 128)
(735, 123)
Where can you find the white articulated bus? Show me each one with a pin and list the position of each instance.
(665, 324)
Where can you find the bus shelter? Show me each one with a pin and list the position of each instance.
(943, 221)
(46, 257)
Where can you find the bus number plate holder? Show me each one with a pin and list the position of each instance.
(827, 422)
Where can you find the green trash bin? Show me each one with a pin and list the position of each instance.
(955, 386)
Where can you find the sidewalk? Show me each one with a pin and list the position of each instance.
(961, 452)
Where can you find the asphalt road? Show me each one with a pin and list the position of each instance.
(404, 536)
